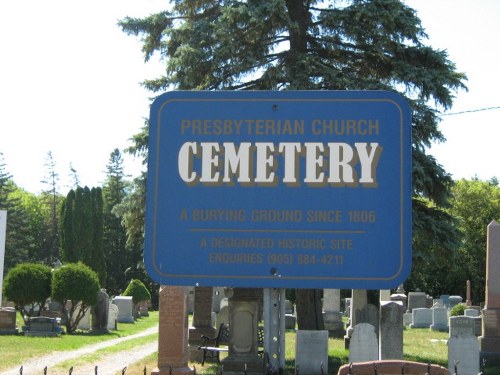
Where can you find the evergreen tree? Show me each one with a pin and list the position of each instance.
(316, 45)
(52, 199)
(116, 253)
(82, 229)
(17, 240)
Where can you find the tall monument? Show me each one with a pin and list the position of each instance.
(490, 339)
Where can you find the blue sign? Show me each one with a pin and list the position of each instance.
(295, 189)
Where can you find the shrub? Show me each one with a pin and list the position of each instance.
(458, 309)
(138, 291)
(28, 286)
(78, 284)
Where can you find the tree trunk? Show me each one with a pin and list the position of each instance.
(309, 311)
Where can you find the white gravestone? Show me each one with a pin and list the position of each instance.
(363, 345)
(311, 350)
(113, 317)
(422, 318)
(125, 309)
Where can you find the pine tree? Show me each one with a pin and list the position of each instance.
(116, 253)
(316, 45)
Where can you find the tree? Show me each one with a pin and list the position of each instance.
(78, 284)
(51, 198)
(315, 45)
(476, 203)
(28, 285)
(82, 229)
(116, 252)
(17, 241)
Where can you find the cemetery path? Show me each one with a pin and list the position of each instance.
(107, 365)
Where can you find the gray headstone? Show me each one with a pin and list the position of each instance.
(331, 300)
(445, 298)
(8, 321)
(422, 318)
(455, 300)
(417, 300)
(42, 326)
(222, 316)
(288, 307)
(465, 351)
(472, 313)
(391, 331)
(439, 319)
(112, 317)
(125, 309)
(311, 350)
(100, 312)
(334, 324)
(369, 314)
(407, 319)
(363, 345)
(462, 326)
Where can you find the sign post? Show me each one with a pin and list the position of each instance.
(308, 189)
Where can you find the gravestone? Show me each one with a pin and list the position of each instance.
(417, 300)
(385, 295)
(334, 324)
(222, 316)
(311, 352)
(462, 326)
(363, 345)
(331, 300)
(445, 298)
(100, 312)
(463, 346)
(473, 313)
(8, 321)
(202, 322)
(332, 317)
(490, 339)
(454, 300)
(407, 319)
(217, 295)
(244, 310)
(369, 314)
(42, 326)
(125, 309)
(173, 332)
(464, 351)
(112, 317)
(358, 301)
(422, 318)
(84, 323)
(391, 330)
(439, 319)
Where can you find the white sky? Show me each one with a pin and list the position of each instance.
(69, 84)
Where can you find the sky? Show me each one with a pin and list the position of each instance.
(70, 85)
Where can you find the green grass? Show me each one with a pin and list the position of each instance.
(31, 347)
(420, 345)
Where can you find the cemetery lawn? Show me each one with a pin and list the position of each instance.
(420, 345)
(16, 349)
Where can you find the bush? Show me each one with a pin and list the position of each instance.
(458, 309)
(28, 284)
(138, 291)
(78, 284)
